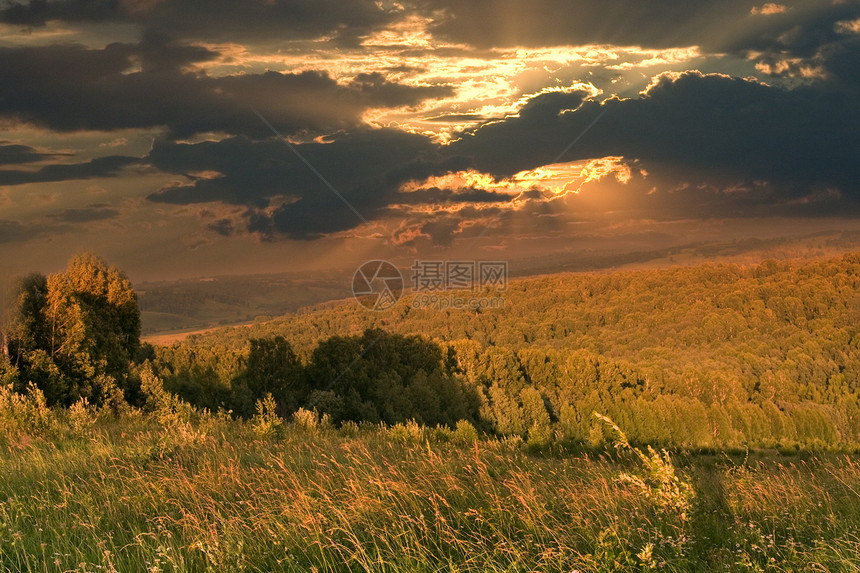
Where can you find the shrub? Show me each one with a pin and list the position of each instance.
(26, 414)
(311, 420)
(81, 417)
(410, 432)
(465, 432)
(267, 423)
(349, 429)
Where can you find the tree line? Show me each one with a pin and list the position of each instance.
(708, 356)
(712, 355)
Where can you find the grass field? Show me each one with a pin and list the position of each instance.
(176, 490)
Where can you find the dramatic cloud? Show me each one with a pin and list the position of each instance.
(705, 122)
(13, 154)
(788, 41)
(100, 167)
(799, 42)
(235, 20)
(353, 178)
(559, 22)
(69, 88)
(786, 149)
(421, 125)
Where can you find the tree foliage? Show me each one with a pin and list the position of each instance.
(706, 356)
(75, 333)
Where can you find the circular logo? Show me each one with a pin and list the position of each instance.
(377, 285)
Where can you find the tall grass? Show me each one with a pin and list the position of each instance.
(160, 492)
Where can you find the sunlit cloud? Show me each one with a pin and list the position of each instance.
(769, 8)
(655, 58)
(587, 89)
(792, 67)
(489, 83)
(459, 180)
(411, 32)
(116, 142)
(847, 27)
(544, 183)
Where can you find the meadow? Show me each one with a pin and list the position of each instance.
(171, 488)
(529, 438)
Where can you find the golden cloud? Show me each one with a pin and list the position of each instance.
(769, 8)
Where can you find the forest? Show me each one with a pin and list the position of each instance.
(711, 356)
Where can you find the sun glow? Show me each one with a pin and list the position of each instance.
(551, 181)
(563, 178)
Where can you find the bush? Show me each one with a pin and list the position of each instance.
(465, 433)
(311, 420)
(349, 429)
(81, 418)
(26, 414)
(410, 432)
(267, 423)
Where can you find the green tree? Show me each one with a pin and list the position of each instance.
(273, 368)
(75, 333)
(27, 330)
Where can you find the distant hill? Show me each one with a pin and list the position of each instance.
(195, 304)
(171, 309)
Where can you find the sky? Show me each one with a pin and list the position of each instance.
(186, 138)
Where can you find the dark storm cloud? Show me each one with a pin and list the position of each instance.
(842, 61)
(344, 21)
(800, 31)
(284, 196)
(710, 123)
(391, 94)
(69, 88)
(656, 24)
(730, 26)
(13, 154)
(101, 167)
(727, 26)
(803, 39)
(781, 151)
(814, 47)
